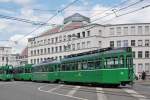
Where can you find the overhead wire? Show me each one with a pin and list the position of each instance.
(123, 8)
(123, 2)
(133, 11)
(59, 11)
(24, 20)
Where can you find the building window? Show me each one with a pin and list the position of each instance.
(147, 30)
(56, 49)
(83, 34)
(146, 42)
(140, 42)
(69, 47)
(100, 32)
(111, 43)
(41, 51)
(73, 46)
(83, 45)
(125, 43)
(147, 67)
(78, 35)
(119, 30)
(118, 43)
(34, 61)
(52, 49)
(38, 51)
(133, 30)
(56, 39)
(140, 67)
(34, 52)
(64, 37)
(69, 37)
(31, 52)
(139, 54)
(48, 50)
(125, 30)
(146, 54)
(60, 57)
(45, 50)
(60, 38)
(37, 60)
(132, 42)
(88, 33)
(31, 61)
(49, 41)
(111, 30)
(88, 44)
(65, 48)
(140, 30)
(133, 53)
(3, 58)
(78, 46)
(52, 40)
(44, 41)
(41, 59)
(60, 48)
(100, 44)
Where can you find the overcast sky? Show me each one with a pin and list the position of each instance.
(11, 30)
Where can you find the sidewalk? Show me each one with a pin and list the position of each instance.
(142, 82)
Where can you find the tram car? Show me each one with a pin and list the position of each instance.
(109, 66)
(23, 73)
(6, 73)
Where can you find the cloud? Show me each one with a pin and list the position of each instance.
(18, 46)
(16, 30)
(19, 2)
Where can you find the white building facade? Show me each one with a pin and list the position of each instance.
(6, 57)
(58, 43)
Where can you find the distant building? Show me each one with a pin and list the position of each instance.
(6, 57)
(23, 57)
(77, 35)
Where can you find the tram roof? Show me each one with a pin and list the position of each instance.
(46, 63)
(98, 54)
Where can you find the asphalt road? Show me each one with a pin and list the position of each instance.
(16, 90)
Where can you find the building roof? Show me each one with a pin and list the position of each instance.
(66, 27)
(76, 18)
(72, 22)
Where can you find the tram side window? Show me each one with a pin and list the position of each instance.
(109, 63)
(51, 68)
(27, 70)
(116, 62)
(8, 71)
(63, 67)
(121, 62)
(84, 66)
(91, 65)
(79, 66)
(74, 66)
(68, 68)
(98, 64)
(1, 71)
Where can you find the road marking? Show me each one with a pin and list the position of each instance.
(51, 92)
(55, 88)
(100, 94)
(72, 92)
(135, 94)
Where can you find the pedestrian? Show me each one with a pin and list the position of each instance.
(143, 75)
